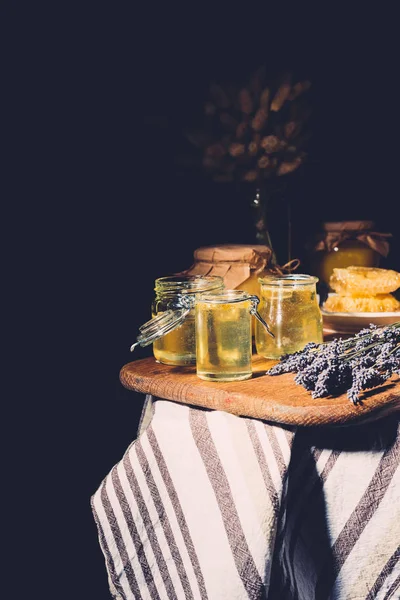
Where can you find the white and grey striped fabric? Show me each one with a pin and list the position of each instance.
(206, 505)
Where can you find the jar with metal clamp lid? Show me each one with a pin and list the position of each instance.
(172, 328)
(289, 304)
(223, 334)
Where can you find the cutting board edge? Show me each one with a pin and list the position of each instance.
(146, 385)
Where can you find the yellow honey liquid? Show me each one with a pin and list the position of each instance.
(294, 318)
(223, 341)
(179, 346)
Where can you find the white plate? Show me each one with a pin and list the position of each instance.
(339, 322)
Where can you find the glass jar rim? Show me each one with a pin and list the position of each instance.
(188, 284)
(288, 280)
(224, 296)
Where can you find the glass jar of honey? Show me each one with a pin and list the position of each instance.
(345, 244)
(223, 334)
(172, 328)
(289, 305)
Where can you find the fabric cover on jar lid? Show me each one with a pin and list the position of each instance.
(337, 232)
(233, 262)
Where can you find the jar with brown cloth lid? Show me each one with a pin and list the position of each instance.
(348, 243)
(239, 265)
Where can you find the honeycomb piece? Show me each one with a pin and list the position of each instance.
(364, 281)
(356, 304)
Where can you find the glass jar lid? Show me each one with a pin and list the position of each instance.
(188, 284)
(182, 292)
(159, 326)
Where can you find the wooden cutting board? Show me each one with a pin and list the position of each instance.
(278, 399)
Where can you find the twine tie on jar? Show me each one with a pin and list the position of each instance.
(288, 267)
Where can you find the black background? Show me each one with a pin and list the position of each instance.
(100, 95)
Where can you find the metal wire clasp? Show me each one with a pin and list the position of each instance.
(164, 322)
(253, 311)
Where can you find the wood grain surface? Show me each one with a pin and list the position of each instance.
(278, 399)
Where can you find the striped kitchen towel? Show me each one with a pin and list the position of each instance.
(191, 509)
(208, 505)
(340, 539)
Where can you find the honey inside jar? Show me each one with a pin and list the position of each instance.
(289, 304)
(178, 346)
(223, 334)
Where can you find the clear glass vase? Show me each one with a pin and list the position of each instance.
(271, 219)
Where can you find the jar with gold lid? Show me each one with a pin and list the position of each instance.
(172, 328)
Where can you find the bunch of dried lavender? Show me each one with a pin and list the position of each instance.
(256, 131)
(361, 362)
